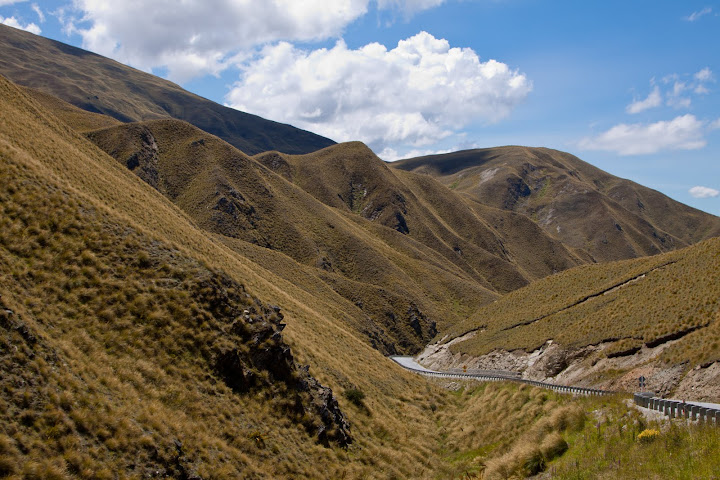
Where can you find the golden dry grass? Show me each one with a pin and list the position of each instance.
(600, 216)
(104, 337)
(665, 297)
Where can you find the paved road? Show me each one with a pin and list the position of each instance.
(409, 362)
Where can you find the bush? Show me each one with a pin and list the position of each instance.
(355, 396)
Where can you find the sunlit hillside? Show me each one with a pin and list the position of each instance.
(612, 316)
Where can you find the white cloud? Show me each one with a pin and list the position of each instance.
(13, 22)
(654, 99)
(675, 97)
(390, 154)
(39, 12)
(704, 192)
(417, 93)
(4, 3)
(704, 75)
(681, 133)
(194, 37)
(700, 13)
(715, 125)
(677, 91)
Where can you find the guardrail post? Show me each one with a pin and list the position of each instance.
(694, 410)
(702, 411)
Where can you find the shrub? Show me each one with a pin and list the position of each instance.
(355, 396)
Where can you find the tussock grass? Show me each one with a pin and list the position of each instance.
(611, 446)
(630, 303)
(598, 216)
(105, 354)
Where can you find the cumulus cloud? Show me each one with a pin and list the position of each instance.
(417, 93)
(13, 22)
(192, 38)
(654, 99)
(681, 133)
(704, 192)
(390, 154)
(698, 14)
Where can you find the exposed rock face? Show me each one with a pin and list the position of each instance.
(590, 366)
(144, 162)
(253, 355)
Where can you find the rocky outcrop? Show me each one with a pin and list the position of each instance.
(251, 355)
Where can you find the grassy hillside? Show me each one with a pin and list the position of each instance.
(355, 181)
(598, 215)
(668, 301)
(134, 344)
(98, 84)
(125, 346)
(397, 290)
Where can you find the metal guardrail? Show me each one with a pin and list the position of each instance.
(670, 408)
(510, 378)
(675, 409)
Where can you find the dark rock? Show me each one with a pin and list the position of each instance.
(401, 224)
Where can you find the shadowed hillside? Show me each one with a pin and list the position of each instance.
(101, 85)
(598, 215)
(355, 181)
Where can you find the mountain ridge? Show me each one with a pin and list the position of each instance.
(105, 86)
(589, 210)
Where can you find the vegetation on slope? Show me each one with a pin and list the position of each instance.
(396, 289)
(98, 84)
(600, 216)
(126, 350)
(633, 303)
(352, 179)
(510, 431)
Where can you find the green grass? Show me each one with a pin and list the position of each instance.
(608, 447)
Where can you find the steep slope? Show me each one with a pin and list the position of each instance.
(353, 180)
(600, 216)
(126, 351)
(608, 324)
(397, 288)
(101, 85)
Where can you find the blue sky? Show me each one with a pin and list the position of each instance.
(631, 87)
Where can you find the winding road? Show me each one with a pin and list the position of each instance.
(701, 411)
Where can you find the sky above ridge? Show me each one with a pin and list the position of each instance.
(630, 87)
